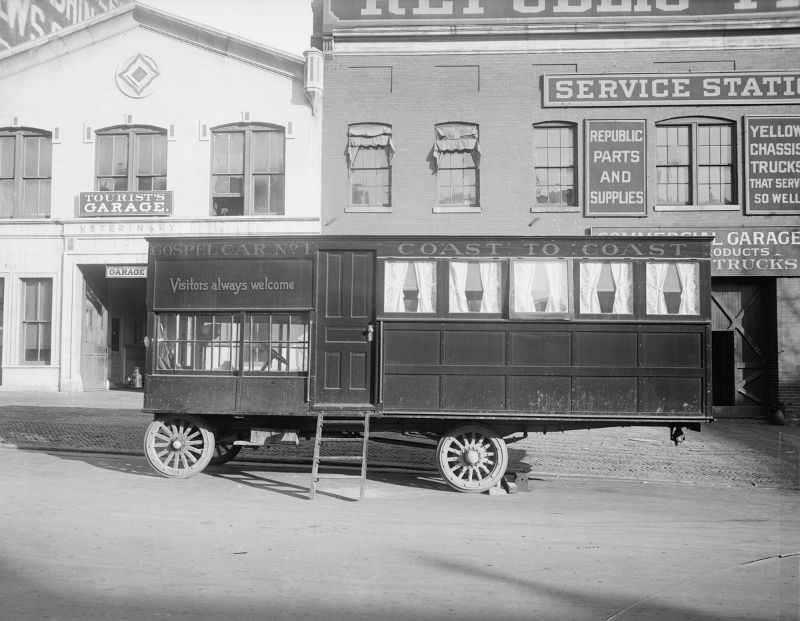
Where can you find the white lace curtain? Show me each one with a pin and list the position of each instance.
(525, 280)
(590, 274)
(491, 283)
(690, 294)
(395, 277)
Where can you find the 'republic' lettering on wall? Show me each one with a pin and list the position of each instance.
(671, 89)
(25, 20)
(397, 10)
(772, 174)
(751, 251)
(615, 168)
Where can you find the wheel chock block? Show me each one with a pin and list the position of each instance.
(497, 490)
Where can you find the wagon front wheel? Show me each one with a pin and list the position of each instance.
(178, 446)
(472, 458)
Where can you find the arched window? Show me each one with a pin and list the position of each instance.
(457, 152)
(25, 173)
(695, 162)
(247, 170)
(554, 146)
(131, 158)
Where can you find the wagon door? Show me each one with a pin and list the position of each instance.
(345, 303)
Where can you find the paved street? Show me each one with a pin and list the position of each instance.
(90, 536)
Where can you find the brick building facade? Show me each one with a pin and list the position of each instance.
(580, 118)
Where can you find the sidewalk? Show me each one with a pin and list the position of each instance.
(729, 452)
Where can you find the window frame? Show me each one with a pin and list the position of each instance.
(248, 174)
(132, 133)
(673, 316)
(39, 322)
(444, 288)
(560, 207)
(437, 275)
(389, 150)
(541, 316)
(693, 123)
(440, 207)
(241, 344)
(636, 274)
(17, 209)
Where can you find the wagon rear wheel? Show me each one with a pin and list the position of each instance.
(472, 458)
(178, 446)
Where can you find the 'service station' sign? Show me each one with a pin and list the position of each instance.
(124, 204)
(615, 165)
(576, 90)
(365, 10)
(772, 175)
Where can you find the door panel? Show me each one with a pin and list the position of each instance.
(345, 312)
(93, 342)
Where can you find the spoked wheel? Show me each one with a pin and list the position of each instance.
(224, 451)
(472, 458)
(178, 446)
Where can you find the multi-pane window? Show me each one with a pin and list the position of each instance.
(37, 317)
(229, 342)
(554, 164)
(247, 170)
(457, 153)
(694, 163)
(131, 158)
(539, 287)
(606, 288)
(369, 154)
(409, 287)
(25, 173)
(673, 288)
(475, 287)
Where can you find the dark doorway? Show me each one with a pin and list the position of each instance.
(723, 382)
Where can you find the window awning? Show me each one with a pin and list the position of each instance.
(452, 137)
(369, 135)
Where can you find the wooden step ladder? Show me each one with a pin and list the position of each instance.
(336, 425)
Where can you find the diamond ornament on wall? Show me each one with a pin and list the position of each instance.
(137, 77)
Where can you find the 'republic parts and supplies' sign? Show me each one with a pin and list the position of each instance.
(242, 284)
(26, 20)
(772, 145)
(696, 89)
(125, 204)
(126, 271)
(751, 251)
(398, 10)
(615, 168)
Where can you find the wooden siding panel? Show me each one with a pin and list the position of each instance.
(599, 349)
(473, 392)
(540, 348)
(671, 394)
(539, 394)
(604, 394)
(669, 349)
(470, 348)
(412, 392)
(411, 347)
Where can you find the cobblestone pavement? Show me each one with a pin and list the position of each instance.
(729, 452)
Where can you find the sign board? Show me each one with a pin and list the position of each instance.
(126, 271)
(235, 284)
(124, 204)
(339, 12)
(752, 251)
(616, 175)
(26, 20)
(647, 89)
(772, 145)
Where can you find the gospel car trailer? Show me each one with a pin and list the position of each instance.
(471, 342)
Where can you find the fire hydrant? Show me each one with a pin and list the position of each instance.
(135, 379)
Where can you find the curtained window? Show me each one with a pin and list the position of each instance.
(457, 155)
(475, 287)
(673, 288)
(409, 287)
(539, 287)
(606, 288)
(369, 155)
(554, 164)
